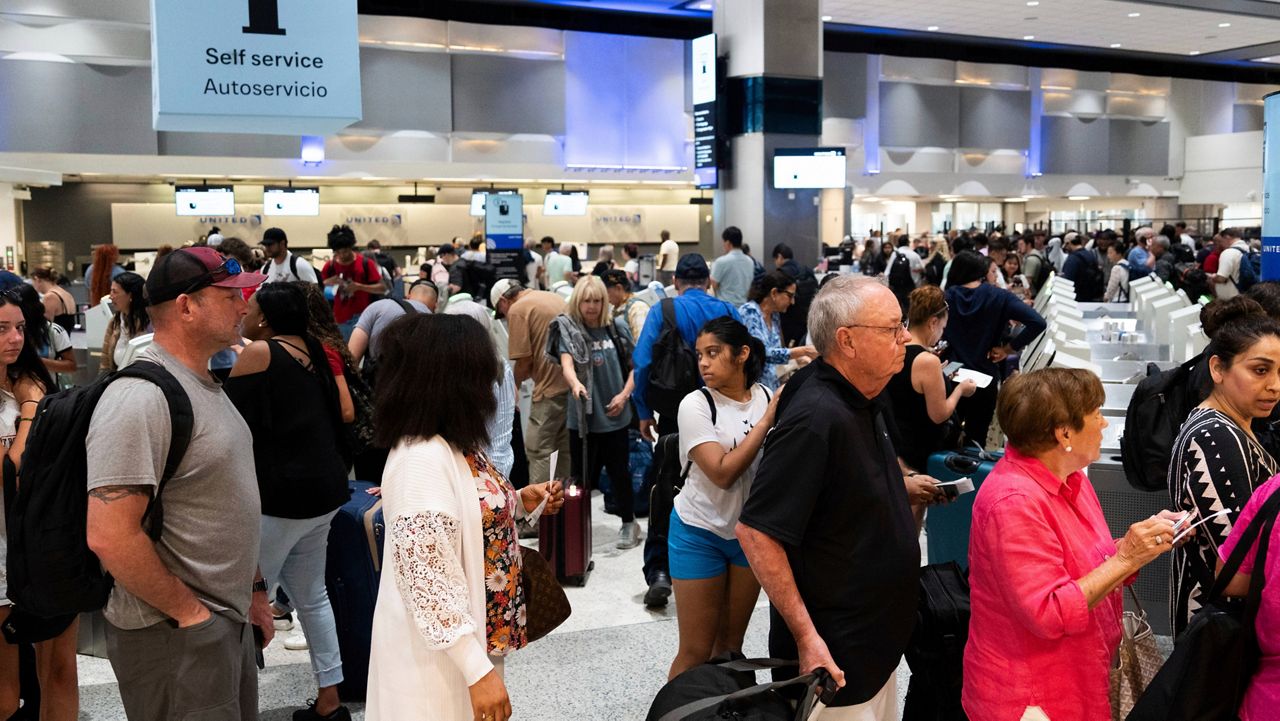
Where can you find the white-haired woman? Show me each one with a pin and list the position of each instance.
(595, 357)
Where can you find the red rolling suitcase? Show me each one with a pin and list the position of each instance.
(565, 538)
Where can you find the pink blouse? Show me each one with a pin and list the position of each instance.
(1263, 696)
(1033, 640)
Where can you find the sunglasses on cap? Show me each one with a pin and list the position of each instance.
(229, 268)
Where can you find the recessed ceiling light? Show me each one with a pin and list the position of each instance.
(1028, 37)
(826, 18)
(1224, 25)
(1135, 15)
(1115, 45)
(1032, 3)
(1078, 197)
(932, 28)
(1194, 52)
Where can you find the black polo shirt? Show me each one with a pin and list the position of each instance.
(829, 489)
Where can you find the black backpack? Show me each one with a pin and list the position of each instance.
(936, 650)
(673, 374)
(474, 277)
(1090, 285)
(1159, 406)
(1250, 269)
(293, 268)
(51, 570)
(900, 280)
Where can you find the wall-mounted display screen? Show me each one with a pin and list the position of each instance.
(565, 202)
(477, 202)
(204, 200)
(809, 168)
(290, 201)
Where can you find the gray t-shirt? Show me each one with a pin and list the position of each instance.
(733, 273)
(212, 513)
(607, 380)
(378, 315)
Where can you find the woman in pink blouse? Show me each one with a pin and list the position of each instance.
(1044, 571)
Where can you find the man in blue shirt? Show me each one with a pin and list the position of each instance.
(693, 308)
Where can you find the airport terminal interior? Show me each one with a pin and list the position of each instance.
(1105, 163)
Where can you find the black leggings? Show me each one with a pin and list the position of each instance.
(611, 451)
(976, 412)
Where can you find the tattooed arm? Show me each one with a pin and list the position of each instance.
(117, 537)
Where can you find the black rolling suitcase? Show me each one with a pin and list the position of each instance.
(353, 570)
(936, 650)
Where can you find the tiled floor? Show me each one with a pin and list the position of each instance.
(606, 662)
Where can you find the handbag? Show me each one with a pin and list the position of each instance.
(1215, 657)
(546, 605)
(1140, 660)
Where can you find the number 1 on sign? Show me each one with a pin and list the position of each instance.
(264, 18)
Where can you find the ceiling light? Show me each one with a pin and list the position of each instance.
(39, 55)
(1015, 200)
(1115, 45)
(1028, 37)
(704, 6)
(1135, 15)
(932, 28)
(826, 18)
(1194, 52)
(1224, 25)
(1079, 197)
(1032, 3)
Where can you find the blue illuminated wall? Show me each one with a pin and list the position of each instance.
(624, 101)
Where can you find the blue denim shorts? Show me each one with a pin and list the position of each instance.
(696, 553)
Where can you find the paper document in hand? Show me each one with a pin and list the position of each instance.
(982, 379)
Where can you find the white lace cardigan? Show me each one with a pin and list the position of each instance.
(429, 640)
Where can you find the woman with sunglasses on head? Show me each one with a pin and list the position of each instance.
(23, 382)
(1217, 461)
(922, 400)
(722, 429)
(283, 383)
(770, 296)
(130, 319)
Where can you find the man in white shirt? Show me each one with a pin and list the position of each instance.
(1234, 251)
(283, 266)
(668, 256)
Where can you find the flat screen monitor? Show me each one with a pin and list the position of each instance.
(809, 168)
(291, 201)
(477, 202)
(565, 202)
(217, 200)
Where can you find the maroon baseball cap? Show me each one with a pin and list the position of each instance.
(188, 270)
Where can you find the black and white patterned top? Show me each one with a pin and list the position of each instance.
(1215, 465)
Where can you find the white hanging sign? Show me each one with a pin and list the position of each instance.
(286, 67)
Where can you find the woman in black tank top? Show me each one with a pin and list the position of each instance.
(921, 398)
(285, 386)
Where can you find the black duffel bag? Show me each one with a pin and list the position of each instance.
(727, 689)
(1216, 656)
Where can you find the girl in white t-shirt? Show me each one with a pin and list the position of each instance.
(722, 428)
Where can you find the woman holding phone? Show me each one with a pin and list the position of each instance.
(923, 401)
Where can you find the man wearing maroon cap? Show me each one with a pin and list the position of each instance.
(179, 630)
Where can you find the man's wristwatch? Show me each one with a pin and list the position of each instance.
(260, 585)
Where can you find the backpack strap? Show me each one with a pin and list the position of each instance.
(711, 403)
(406, 306)
(181, 417)
(669, 314)
(293, 266)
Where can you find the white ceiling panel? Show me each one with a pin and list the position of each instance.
(1137, 26)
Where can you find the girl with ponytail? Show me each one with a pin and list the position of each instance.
(722, 428)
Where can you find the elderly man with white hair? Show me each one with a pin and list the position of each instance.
(1139, 255)
(828, 527)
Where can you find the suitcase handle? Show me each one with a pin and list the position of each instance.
(963, 465)
(819, 686)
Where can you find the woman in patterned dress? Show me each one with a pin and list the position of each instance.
(450, 604)
(770, 296)
(1217, 461)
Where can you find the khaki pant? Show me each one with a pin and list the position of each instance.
(205, 672)
(547, 434)
(882, 707)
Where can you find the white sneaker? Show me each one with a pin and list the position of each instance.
(283, 623)
(296, 642)
(629, 535)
